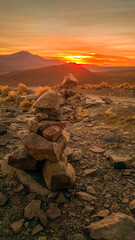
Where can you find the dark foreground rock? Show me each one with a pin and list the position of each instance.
(117, 226)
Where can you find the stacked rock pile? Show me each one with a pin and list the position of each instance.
(46, 141)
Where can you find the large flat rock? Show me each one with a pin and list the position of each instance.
(117, 226)
(21, 159)
(40, 148)
(49, 100)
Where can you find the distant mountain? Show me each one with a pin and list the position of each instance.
(24, 60)
(103, 68)
(50, 76)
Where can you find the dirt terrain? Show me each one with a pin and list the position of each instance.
(101, 124)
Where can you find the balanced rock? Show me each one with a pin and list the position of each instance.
(40, 148)
(117, 226)
(45, 124)
(58, 175)
(21, 159)
(48, 100)
(69, 81)
(52, 133)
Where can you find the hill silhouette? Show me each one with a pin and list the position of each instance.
(23, 60)
(50, 76)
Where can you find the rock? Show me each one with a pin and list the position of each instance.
(107, 100)
(93, 101)
(77, 155)
(42, 217)
(52, 133)
(69, 81)
(21, 159)
(17, 226)
(85, 196)
(66, 135)
(93, 172)
(3, 199)
(111, 136)
(61, 198)
(32, 97)
(58, 175)
(3, 129)
(100, 215)
(37, 229)
(45, 124)
(97, 149)
(53, 212)
(117, 226)
(31, 209)
(91, 190)
(132, 206)
(40, 148)
(79, 236)
(33, 126)
(48, 100)
(121, 162)
(42, 116)
(31, 183)
(88, 209)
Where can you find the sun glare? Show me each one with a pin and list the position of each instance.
(76, 59)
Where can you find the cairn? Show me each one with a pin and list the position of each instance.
(46, 141)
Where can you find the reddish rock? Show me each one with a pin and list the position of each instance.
(21, 159)
(69, 81)
(48, 100)
(45, 124)
(117, 226)
(58, 175)
(33, 126)
(42, 116)
(52, 133)
(40, 148)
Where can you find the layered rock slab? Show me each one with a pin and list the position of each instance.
(58, 175)
(40, 148)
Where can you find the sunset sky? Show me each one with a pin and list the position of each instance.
(83, 31)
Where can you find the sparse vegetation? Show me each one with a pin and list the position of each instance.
(25, 104)
(109, 114)
(42, 90)
(103, 85)
(22, 89)
(5, 90)
(11, 96)
(125, 85)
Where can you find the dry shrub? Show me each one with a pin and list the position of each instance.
(109, 114)
(5, 89)
(81, 112)
(42, 90)
(26, 104)
(103, 85)
(22, 89)
(11, 97)
(125, 85)
(1, 87)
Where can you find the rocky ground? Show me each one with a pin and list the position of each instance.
(101, 148)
